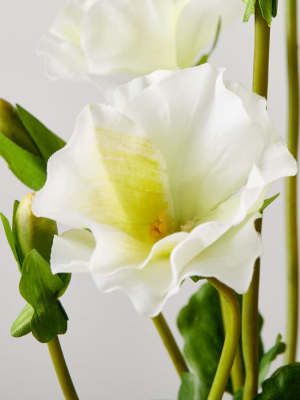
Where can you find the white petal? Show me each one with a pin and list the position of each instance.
(72, 251)
(62, 59)
(231, 258)
(132, 36)
(276, 161)
(109, 173)
(66, 25)
(197, 26)
(203, 130)
(149, 285)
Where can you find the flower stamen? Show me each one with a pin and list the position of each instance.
(159, 228)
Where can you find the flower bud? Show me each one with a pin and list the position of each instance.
(12, 127)
(32, 232)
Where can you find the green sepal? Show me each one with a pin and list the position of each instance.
(268, 9)
(200, 324)
(66, 279)
(46, 141)
(269, 201)
(265, 362)
(10, 238)
(41, 289)
(12, 127)
(22, 325)
(206, 56)
(191, 388)
(28, 168)
(284, 384)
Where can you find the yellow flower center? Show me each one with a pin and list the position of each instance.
(159, 228)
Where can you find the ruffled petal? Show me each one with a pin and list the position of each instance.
(203, 130)
(109, 173)
(72, 251)
(148, 286)
(134, 36)
(230, 259)
(197, 25)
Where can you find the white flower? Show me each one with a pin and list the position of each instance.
(113, 41)
(165, 185)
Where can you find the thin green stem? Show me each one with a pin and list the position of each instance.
(291, 183)
(233, 327)
(170, 344)
(61, 370)
(250, 331)
(237, 372)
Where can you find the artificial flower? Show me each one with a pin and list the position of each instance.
(113, 41)
(164, 185)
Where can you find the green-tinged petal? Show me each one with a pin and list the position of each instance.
(46, 141)
(109, 173)
(22, 325)
(30, 169)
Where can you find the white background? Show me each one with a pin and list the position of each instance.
(112, 353)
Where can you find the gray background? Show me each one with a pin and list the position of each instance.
(113, 353)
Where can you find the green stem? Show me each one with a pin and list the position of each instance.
(291, 183)
(61, 370)
(170, 344)
(250, 331)
(237, 372)
(233, 326)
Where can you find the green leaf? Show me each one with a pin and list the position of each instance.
(274, 8)
(206, 56)
(284, 384)
(191, 388)
(266, 7)
(238, 395)
(22, 325)
(10, 238)
(30, 169)
(40, 289)
(265, 362)
(250, 9)
(66, 279)
(267, 202)
(200, 324)
(46, 141)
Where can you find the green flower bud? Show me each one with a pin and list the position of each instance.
(32, 232)
(12, 127)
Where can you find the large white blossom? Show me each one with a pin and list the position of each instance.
(113, 41)
(164, 185)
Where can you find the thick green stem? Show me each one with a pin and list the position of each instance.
(233, 326)
(237, 372)
(61, 370)
(170, 344)
(291, 183)
(250, 331)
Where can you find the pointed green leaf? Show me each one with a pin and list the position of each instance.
(269, 201)
(191, 388)
(250, 9)
(40, 289)
(66, 279)
(206, 56)
(30, 169)
(10, 238)
(200, 324)
(22, 325)
(46, 141)
(284, 384)
(265, 362)
(266, 7)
